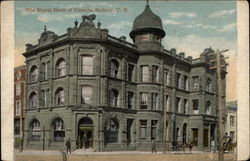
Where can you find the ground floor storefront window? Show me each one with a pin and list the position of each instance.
(111, 131)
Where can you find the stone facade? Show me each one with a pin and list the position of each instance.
(19, 98)
(107, 94)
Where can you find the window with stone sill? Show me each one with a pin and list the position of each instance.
(208, 108)
(144, 73)
(18, 108)
(58, 130)
(167, 77)
(114, 68)
(153, 129)
(59, 96)
(130, 72)
(185, 106)
(61, 67)
(178, 104)
(35, 130)
(44, 71)
(196, 84)
(86, 95)
(186, 84)
(144, 100)
(143, 129)
(179, 81)
(130, 100)
(209, 87)
(18, 89)
(45, 97)
(32, 100)
(87, 65)
(167, 103)
(155, 101)
(113, 98)
(155, 73)
(33, 74)
(195, 106)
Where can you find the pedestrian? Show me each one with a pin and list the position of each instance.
(68, 146)
(154, 147)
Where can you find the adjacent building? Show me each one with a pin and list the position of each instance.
(89, 85)
(231, 121)
(19, 99)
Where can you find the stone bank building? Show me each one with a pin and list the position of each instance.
(89, 84)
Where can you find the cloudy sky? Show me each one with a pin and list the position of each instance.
(190, 26)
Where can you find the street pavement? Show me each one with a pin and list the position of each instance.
(90, 155)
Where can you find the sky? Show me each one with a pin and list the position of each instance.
(190, 26)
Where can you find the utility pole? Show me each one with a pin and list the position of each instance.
(218, 65)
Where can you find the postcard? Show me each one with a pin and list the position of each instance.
(125, 80)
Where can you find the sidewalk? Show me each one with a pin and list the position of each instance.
(91, 152)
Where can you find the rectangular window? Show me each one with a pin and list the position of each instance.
(232, 120)
(130, 72)
(178, 79)
(86, 95)
(143, 129)
(195, 136)
(167, 103)
(87, 65)
(144, 74)
(18, 89)
(167, 77)
(17, 127)
(155, 101)
(232, 134)
(178, 104)
(153, 129)
(196, 106)
(130, 100)
(144, 100)
(155, 74)
(186, 83)
(46, 71)
(196, 83)
(18, 108)
(185, 106)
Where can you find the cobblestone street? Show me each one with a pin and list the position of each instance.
(88, 155)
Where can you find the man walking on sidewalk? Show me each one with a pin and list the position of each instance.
(68, 146)
(154, 147)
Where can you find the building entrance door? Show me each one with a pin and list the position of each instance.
(85, 133)
(205, 138)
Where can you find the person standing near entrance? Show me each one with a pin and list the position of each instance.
(154, 147)
(68, 146)
(84, 141)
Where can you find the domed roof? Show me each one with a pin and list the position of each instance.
(146, 21)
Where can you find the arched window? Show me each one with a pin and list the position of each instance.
(35, 130)
(61, 67)
(208, 108)
(114, 68)
(32, 100)
(113, 98)
(33, 74)
(111, 131)
(58, 130)
(209, 87)
(59, 96)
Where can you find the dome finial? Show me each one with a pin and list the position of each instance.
(147, 3)
(76, 23)
(45, 28)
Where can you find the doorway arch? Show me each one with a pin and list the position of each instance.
(85, 133)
